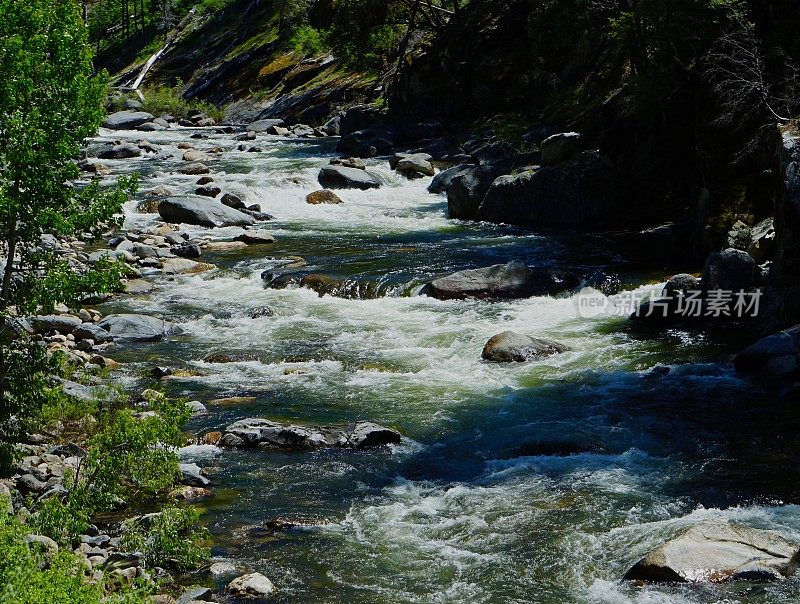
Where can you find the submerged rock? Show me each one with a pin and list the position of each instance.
(202, 211)
(512, 280)
(715, 551)
(512, 347)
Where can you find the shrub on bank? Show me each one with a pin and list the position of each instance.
(168, 99)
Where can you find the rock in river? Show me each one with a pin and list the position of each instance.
(254, 585)
(265, 433)
(716, 551)
(323, 196)
(203, 212)
(512, 347)
(512, 280)
(139, 328)
(778, 355)
(127, 120)
(341, 177)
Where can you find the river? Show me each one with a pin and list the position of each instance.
(540, 482)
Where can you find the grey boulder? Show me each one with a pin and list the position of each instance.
(138, 328)
(501, 281)
(202, 211)
(512, 347)
(123, 151)
(341, 177)
(716, 551)
(127, 120)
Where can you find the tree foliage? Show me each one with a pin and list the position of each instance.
(52, 102)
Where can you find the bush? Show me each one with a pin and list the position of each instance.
(309, 41)
(169, 99)
(28, 576)
(172, 540)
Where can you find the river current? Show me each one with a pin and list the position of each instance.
(540, 482)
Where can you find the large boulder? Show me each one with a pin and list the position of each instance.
(579, 192)
(202, 211)
(731, 271)
(560, 147)
(441, 182)
(61, 323)
(466, 191)
(778, 354)
(512, 347)
(252, 586)
(341, 177)
(257, 432)
(412, 165)
(127, 120)
(264, 125)
(138, 328)
(512, 280)
(715, 551)
(122, 151)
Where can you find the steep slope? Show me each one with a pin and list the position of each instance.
(239, 57)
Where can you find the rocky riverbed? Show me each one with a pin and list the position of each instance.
(393, 405)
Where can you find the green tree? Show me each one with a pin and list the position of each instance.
(50, 101)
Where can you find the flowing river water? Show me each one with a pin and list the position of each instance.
(540, 482)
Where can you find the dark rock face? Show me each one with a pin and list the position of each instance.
(715, 551)
(512, 280)
(373, 141)
(787, 229)
(139, 328)
(202, 211)
(341, 177)
(578, 192)
(511, 347)
(127, 120)
(466, 191)
(560, 147)
(267, 434)
(441, 182)
(360, 118)
(778, 355)
(731, 270)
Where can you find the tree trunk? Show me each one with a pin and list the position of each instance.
(8, 273)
